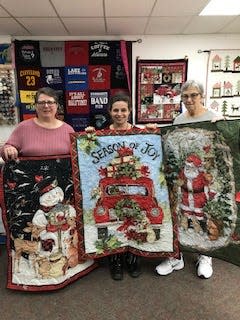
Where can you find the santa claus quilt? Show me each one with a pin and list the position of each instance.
(121, 193)
(42, 225)
(202, 166)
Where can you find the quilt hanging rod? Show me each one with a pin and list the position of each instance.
(137, 41)
(202, 51)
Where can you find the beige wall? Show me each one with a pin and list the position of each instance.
(159, 47)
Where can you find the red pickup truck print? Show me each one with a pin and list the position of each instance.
(139, 191)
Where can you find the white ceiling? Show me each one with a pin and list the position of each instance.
(110, 18)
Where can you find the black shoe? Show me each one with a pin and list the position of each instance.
(132, 264)
(116, 267)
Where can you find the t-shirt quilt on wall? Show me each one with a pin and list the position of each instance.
(79, 71)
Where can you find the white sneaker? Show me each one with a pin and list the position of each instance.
(169, 265)
(204, 267)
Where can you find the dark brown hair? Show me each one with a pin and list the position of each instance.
(120, 96)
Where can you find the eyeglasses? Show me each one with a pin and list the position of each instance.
(193, 96)
(49, 103)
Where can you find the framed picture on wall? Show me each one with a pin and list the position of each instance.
(158, 89)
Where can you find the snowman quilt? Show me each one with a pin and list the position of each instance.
(202, 167)
(42, 225)
(121, 194)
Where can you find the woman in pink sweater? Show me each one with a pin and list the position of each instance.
(43, 135)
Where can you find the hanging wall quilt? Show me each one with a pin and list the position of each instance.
(121, 194)
(202, 166)
(158, 89)
(223, 82)
(42, 225)
(84, 73)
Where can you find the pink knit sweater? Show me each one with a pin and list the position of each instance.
(33, 140)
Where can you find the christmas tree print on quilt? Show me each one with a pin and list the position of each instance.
(202, 169)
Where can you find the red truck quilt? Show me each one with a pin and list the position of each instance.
(121, 193)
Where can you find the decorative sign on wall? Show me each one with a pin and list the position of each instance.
(158, 89)
(223, 84)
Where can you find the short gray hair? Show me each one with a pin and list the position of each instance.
(193, 83)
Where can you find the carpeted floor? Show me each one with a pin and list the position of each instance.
(179, 296)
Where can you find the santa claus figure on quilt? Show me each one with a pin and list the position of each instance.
(195, 190)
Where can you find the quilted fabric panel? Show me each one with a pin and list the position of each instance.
(202, 169)
(121, 193)
(42, 225)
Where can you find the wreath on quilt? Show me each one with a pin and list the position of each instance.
(128, 208)
(136, 226)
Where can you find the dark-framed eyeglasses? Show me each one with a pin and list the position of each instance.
(193, 96)
(43, 103)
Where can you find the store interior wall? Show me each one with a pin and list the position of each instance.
(157, 48)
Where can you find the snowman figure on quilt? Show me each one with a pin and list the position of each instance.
(194, 184)
(56, 220)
